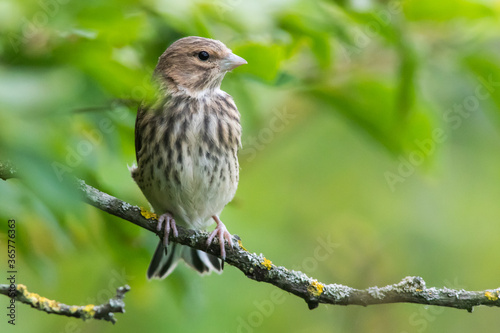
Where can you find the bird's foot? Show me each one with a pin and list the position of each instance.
(167, 221)
(222, 233)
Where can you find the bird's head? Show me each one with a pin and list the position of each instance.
(196, 65)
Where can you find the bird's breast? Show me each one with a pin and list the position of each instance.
(193, 165)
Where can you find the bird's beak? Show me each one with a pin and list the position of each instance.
(231, 62)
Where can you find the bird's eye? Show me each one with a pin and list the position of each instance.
(203, 55)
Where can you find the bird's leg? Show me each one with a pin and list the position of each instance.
(222, 233)
(167, 221)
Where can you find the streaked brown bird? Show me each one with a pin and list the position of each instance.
(186, 149)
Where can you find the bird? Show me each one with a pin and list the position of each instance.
(187, 139)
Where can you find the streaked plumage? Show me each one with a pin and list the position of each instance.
(186, 146)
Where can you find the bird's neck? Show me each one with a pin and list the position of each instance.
(198, 93)
(193, 88)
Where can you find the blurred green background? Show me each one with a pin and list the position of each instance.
(370, 152)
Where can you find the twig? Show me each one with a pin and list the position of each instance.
(411, 289)
(104, 311)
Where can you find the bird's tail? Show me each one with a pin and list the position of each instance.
(163, 263)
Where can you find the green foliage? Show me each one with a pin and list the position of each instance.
(372, 125)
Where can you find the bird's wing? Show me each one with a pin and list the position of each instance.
(138, 132)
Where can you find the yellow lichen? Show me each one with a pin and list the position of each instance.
(418, 290)
(491, 296)
(49, 304)
(39, 301)
(88, 311)
(32, 297)
(241, 245)
(267, 264)
(147, 214)
(315, 288)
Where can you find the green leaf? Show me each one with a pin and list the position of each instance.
(445, 10)
(263, 60)
(486, 68)
(370, 106)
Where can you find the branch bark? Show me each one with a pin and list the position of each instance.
(411, 289)
(104, 311)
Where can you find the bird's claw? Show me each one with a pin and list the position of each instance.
(167, 221)
(223, 234)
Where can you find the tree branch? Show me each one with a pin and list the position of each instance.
(104, 311)
(257, 267)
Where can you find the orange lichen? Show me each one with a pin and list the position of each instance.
(147, 214)
(315, 288)
(267, 264)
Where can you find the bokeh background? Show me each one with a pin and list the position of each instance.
(371, 151)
